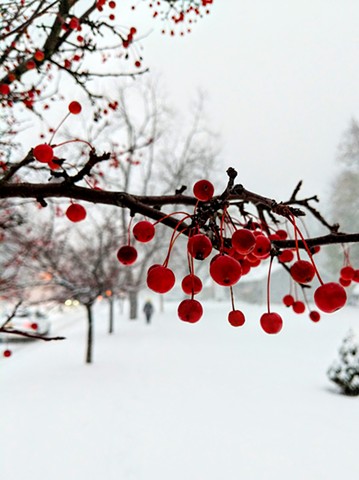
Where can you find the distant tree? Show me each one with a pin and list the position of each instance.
(62, 264)
(344, 198)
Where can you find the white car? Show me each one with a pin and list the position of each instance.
(33, 322)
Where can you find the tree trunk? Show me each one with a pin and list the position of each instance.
(89, 333)
(110, 323)
(133, 297)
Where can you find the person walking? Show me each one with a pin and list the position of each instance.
(148, 310)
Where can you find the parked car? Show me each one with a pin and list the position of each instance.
(31, 321)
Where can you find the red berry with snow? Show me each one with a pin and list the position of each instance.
(190, 311)
(7, 353)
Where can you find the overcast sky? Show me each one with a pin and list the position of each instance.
(282, 80)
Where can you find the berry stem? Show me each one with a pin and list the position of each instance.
(296, 229)
(268, 283)
(232, 297)
(59, 125)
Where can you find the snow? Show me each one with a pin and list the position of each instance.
(171, 401)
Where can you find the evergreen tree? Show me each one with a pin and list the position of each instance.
(345, 371)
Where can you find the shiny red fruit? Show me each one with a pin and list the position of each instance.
(298, 307)
(225, 270)
(330, 297)
(286, 256)
(302, 271)
(243, 241)
(347, 273)
(43, 153)
(288, 300)
(160, 279)
(76, 212)
(314, 316)
(127, 255)
(203, 190)
(7, 353)
(143, 231)
(191, 284)
(271, 322)
(190, 311)
(262, 246)
(236, 318)
(199, 246)
(75, 108)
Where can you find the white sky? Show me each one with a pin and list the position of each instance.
(282, 81)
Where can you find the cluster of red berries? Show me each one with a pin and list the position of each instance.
(187, 12)
(246, 246)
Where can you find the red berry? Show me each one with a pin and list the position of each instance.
(39, 56)
(344, 282)
(203, 190)
(298, 307)
(246, 266)
(330, 297)
(286, 256)
(4, 89)
(7, 353)
(314, 316)
(160, 279)
(282, 234)
(236, 318)
(347, 273)
(190, 311)
(137, 64)
(74, 23)
(191, 284)
(243, 241)
(288, 300)
(302, 271)
(75, 107)
(199, 246)
(34, 326)
(127, 255)
(43, 153)
(76, 212)
(143, 231)
(225, 270)
(271, 322)
(262, 246)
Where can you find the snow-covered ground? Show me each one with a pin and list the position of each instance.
(173, 401)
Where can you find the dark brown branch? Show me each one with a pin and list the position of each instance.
(13, 331)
